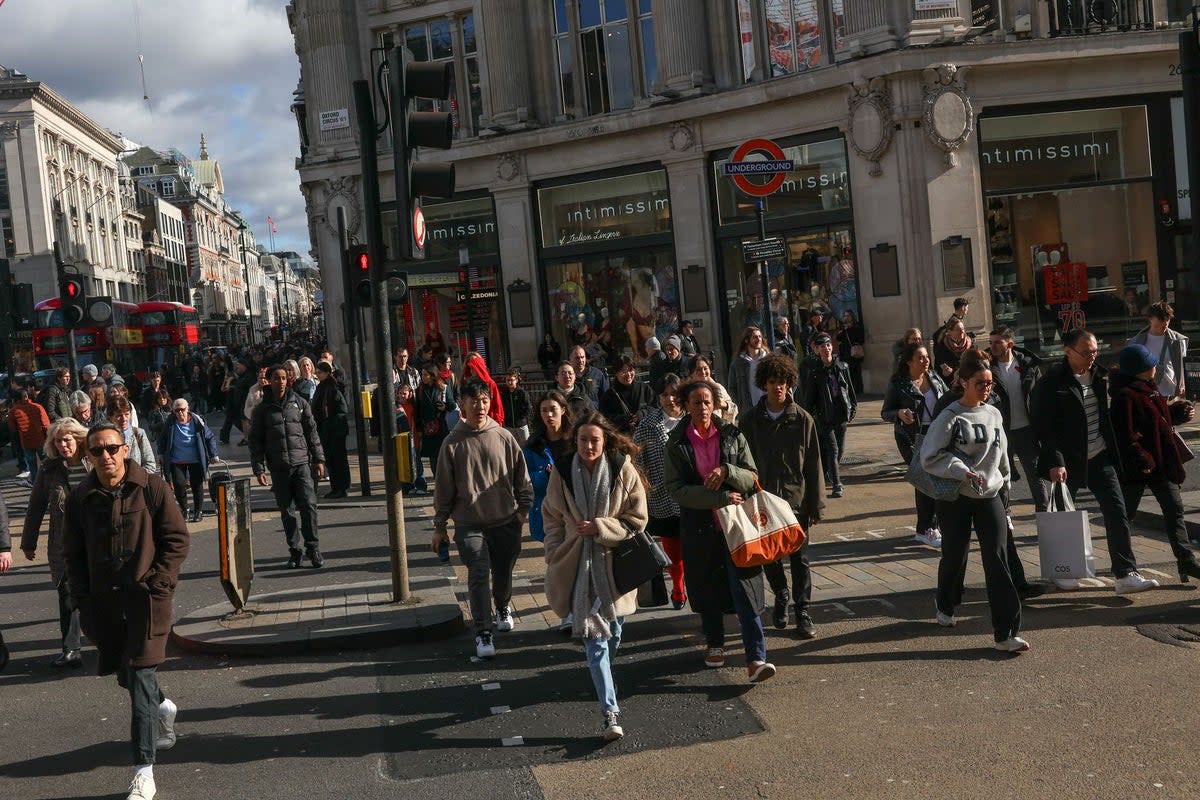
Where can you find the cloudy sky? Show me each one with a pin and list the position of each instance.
(226, 68)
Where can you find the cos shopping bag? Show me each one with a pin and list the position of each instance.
(1064, 538)
(761, 530)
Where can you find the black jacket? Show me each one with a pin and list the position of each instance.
(283, 434)
(815, 396)
(1030, 367)
(788, 457)
(516, 406)
(1060, 422)
(620, 404)
(901, 394)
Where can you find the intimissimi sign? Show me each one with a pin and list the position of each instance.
(1052, 160)
(605, 209)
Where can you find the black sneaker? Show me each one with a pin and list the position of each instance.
(1030, 590)
(70, 658)
(805, 628)
(294, 559)
(316, 558)
(780, 614)
(3, 653)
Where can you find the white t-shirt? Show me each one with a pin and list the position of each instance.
(1006, 372)
(670, 422)
(1166, 367)
(925, 413)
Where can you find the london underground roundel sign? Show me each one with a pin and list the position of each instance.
(419, 228)
(774, 166)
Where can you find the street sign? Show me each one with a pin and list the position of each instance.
(479, 294)
(775, 167)
(763, 250)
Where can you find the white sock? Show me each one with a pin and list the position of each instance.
(147, 770)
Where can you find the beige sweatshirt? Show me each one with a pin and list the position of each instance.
(482, 480)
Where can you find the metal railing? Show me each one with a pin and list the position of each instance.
(1082, 17)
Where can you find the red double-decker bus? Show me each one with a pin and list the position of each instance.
(114, 344)
(168, 331)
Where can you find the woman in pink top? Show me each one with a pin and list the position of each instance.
(708, 466)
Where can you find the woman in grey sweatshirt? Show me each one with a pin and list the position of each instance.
(967, 443)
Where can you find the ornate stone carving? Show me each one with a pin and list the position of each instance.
(342, 192)
(682, 137)
(507, 167)
(871, 126)
(948, 117)
(8, 130)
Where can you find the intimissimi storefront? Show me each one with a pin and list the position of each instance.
(608, 261)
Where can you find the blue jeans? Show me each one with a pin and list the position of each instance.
(600, 653)
(754, 639)
(32, 459)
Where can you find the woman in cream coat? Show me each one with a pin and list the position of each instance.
(596, 499)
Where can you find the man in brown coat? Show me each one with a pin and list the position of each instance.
(125, 541)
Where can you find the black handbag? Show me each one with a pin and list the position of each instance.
(636, 560)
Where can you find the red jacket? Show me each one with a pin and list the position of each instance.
(30, 422)
(1144, 422)
(475, 367)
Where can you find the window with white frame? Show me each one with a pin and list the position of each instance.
(605, 54)
(167, 187)
(787, 36)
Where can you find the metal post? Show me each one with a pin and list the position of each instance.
(72, 359)
(364, 110)
(1189, 63)
(353, 336)
(464, 261)
(760, 207)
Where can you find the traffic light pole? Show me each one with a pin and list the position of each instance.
(354, 335)
(364, 110)
(69, 333)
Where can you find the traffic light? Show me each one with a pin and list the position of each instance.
(360, 276)
(413, 129)
(74, 301)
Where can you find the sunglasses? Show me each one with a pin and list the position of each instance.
(111, 449)
(180, 409)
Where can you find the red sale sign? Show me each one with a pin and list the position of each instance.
(1065, 283)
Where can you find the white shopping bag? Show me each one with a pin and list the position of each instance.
(1064, 538)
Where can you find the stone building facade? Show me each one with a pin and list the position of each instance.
(940, 149)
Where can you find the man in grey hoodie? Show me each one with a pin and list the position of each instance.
(483, 484)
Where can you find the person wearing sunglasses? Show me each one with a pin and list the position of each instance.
(122, 579)
(186, 447)
(1070, 412)
(966, 443)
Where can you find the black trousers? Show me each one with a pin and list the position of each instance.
(1105, 485)
(68, 619)
(801, 578)
(144, 699)
(1171, 503)
(832, 441)
(991, 527)
(296, 499)
(337, 460)
(181, 476)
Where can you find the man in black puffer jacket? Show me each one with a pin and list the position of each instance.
(283, 440)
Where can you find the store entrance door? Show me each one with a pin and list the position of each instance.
(437, 315)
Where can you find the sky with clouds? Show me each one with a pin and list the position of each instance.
(226, 68)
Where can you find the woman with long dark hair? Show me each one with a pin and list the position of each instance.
(709, 466)
(596, 500)
(434, 400)
(966, 443)
(626, 397)
(912, 395)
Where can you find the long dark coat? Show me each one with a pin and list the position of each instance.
(123, 559)
(707, 584)
(1144, 423)
(50, 492)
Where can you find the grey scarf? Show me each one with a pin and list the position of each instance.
(592, 605)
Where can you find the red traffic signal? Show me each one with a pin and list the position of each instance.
(362, 260)
(71, 288)
(71, 296)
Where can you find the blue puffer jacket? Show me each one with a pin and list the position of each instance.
(538, 458)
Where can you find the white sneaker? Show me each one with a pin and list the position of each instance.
(1014, 645)
(24, 474)
(166, 725)
(483, 645)
(504, 619)
(946, 620)
(931, 537)
(141, 787)
(612, 729)
(1067, 584)
(1133, 583)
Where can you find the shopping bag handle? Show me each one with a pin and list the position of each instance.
(1060, 498)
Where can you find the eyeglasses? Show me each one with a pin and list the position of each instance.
(1092, 353)
(983, 384)
(111, 449)
(180, 409)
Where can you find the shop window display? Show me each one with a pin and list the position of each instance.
(820, 272)
(611, 304)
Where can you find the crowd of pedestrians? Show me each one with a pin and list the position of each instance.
(596, 459)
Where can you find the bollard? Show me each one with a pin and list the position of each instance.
(404, 462)
(235, 540)
(365, 399)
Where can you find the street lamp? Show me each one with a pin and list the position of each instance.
(246, 278)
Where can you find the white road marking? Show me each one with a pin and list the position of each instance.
(513, 741)
(500, 709)
(490, 687)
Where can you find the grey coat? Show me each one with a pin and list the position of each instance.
(1176, 349)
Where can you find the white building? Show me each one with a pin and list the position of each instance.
(58, 171)
(943, 149)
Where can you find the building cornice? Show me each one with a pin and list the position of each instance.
(43, 94)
